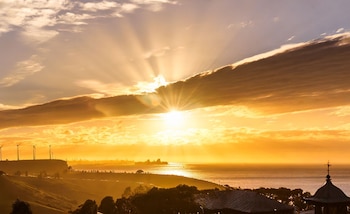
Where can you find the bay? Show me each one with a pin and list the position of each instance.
(248, 176)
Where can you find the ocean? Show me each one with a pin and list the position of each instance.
(249, 176)
(306, 177)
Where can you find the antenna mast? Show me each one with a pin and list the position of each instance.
(1, 152)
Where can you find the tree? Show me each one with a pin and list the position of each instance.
(286, 196)
(89, 207)
(21, 207)
(127, 192)
(125, 206)
(107, 206)
(174, 200)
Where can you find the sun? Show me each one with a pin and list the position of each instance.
(174, 118)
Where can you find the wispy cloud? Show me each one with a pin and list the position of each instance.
(149, 87)
(115, 89)
(5, 107)
(101, 5)
(240, 25)
(342, 111)
(73, 18)
(23, 69)
(105, 89)
(340, 30)
(31, 16)
(38, 20)
(154, 5)
(291, 38)
(125, 8)
(157, 52)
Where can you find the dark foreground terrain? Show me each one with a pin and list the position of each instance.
(60, 194)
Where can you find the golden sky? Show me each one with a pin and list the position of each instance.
(143, 79)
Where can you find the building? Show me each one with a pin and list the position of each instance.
(240, 202)
(329, 199)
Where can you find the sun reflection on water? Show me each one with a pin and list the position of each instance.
(175, 169)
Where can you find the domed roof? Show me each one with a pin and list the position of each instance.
(329, 194)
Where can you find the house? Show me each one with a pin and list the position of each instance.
(240, 202)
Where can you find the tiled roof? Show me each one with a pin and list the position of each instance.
(239, 200)
(328, 194)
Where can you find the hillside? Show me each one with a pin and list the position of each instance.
(54, 196)
(33, 166)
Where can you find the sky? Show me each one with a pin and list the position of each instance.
(59, 50)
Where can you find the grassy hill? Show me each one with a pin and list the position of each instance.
(54, 196)
(34, 166)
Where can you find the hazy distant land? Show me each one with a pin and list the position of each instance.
(52, 192)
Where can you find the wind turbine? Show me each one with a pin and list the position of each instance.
(34, 152)
(50, 152)
(18, 151)
(1, 152)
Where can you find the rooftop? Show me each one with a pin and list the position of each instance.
(239, 200)
(329, 194)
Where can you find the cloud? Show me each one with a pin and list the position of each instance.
(125, 8)
(128, 7)
(23, 70)
(217, 144)
(96, 6)
(340, 30)
(154, 5)
(38, 35)
(342, 111)
(307, 77)
(291, 38)
(107, 89)
(242, 25)
(74, 19)
(149, 87)
(40, 20)
(114, 89)
(157, 52)
(246, 24)
(31, 16)
(5, 107)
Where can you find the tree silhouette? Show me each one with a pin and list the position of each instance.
(125, 206)
(287, 196)
(21, 207)
(107, 206)
(174, 200)
(89, 207)
(127, 192)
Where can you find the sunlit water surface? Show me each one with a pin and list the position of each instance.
(307, 177)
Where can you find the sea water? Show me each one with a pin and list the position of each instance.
(306, 177)
(252, 176)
